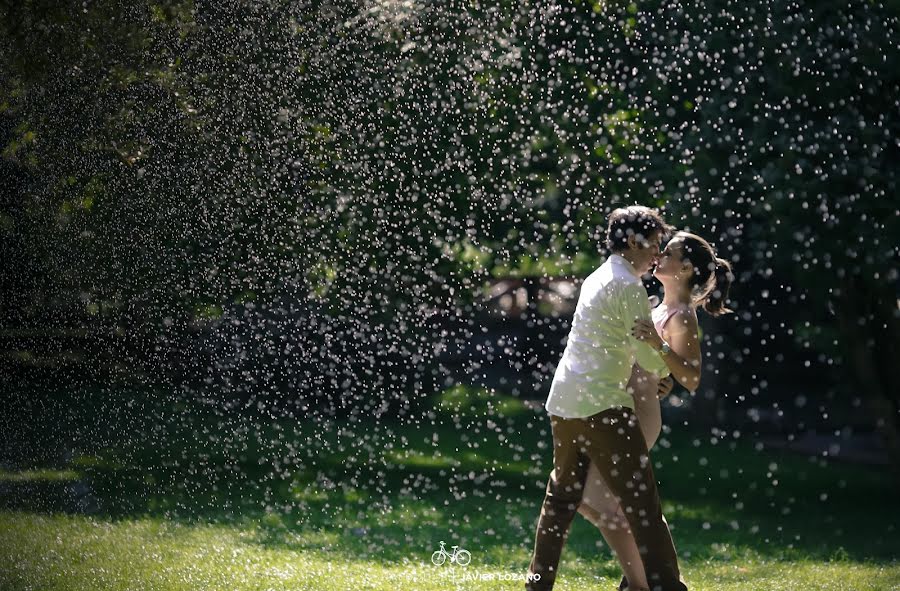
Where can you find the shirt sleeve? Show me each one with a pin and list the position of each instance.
(634, 306)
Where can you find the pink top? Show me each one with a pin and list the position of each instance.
(661, 315)
(644, 381)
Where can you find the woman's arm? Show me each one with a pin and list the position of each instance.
(684, 357)
(634, 307)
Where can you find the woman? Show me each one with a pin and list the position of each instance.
(692, 275)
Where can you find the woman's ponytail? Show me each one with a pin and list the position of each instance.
(714, 303)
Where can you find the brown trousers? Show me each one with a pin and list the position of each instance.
(613, 441)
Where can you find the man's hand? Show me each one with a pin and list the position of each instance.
(665, 386)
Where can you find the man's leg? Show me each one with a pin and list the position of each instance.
(617, 447)
(565, 487)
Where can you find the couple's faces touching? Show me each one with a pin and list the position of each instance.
(644, 251)
(668, 263)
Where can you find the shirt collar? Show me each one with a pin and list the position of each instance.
(619, 259)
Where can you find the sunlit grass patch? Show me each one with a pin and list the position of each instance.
(467, 400)
(415, 459)
(41, 475)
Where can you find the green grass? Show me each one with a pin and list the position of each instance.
(201, 501)
(64, 552)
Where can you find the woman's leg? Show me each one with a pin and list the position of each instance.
(643, 387)
(618, 448)
(598, 504)
(601, 508)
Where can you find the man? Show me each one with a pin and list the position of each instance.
(590, 410)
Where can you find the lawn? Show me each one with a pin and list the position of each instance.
(172, 497)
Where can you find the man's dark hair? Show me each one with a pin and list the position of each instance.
(634, 220)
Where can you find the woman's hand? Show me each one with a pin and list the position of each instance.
(643, 330)
(665, 386)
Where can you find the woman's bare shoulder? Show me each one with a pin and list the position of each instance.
(682, 320)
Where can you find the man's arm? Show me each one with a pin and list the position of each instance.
(635, 306)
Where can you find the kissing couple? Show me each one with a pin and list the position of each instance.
(603, 406)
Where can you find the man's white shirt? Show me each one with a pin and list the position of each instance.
(596, 364)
